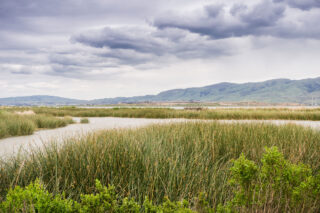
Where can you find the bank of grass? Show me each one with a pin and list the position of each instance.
(15, 125)
(222, 113)
(50, 122)
(176, 160)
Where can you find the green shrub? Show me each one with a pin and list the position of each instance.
(34, 198)
(276, 186)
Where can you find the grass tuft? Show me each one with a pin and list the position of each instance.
(84, 120)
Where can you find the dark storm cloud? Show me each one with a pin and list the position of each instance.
(266, 18)
(301, 4)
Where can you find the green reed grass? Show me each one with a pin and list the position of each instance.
(222, 113)
(50, 122)
(84, 120)
(15, 125)
(175, 160)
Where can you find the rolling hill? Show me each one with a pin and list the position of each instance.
(304, 91)
(272, 91)
(39, 100)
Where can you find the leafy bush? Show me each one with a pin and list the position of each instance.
(276, 186)
(35, 198)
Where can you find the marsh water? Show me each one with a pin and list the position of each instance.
(13, 145)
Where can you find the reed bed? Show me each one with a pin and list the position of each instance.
(174, 160)
(214, 114)
(15, 125)
(84, 120)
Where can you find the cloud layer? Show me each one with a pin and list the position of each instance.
(95, 42)
(301, 4)
(267, 18)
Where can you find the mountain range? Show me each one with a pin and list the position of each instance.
(305, 91)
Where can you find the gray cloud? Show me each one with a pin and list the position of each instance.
(142, 39)
(266, 18)
(21, 72)
(139, 40)
(264, 14)
(51, 16)
(142, 45)
(45, 8)
(301, 4)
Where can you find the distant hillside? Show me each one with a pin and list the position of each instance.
(272, 91)
(39, 100)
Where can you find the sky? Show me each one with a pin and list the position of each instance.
(90, 49)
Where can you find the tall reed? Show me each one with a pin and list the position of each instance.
(222, 113)
(14, 125)
(175, 160)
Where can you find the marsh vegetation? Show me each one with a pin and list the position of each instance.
(12, 124)
(180, 161)
(214, 114)
(84, 120)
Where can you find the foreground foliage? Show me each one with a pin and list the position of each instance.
(35, 198)
(275, 186)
